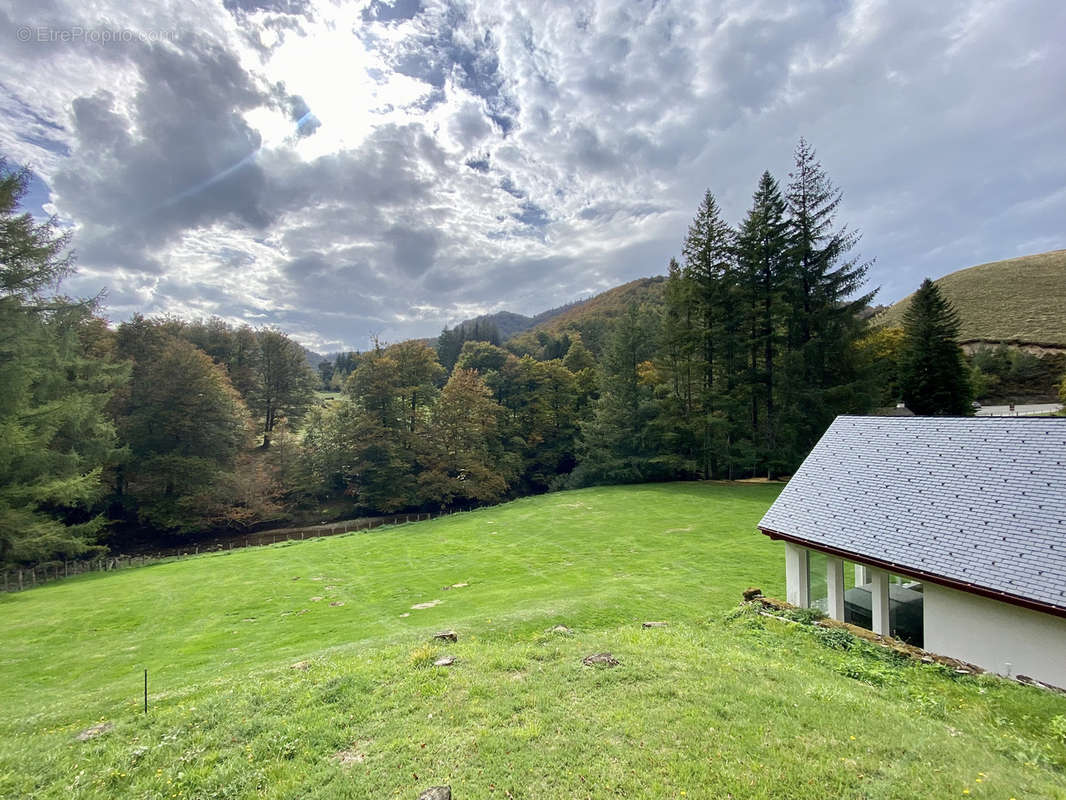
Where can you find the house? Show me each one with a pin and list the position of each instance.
(948, 532)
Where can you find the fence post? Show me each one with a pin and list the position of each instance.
(33, 575)
(5, 580)
(20, 580)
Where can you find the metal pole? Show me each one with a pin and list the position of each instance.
(146, 691)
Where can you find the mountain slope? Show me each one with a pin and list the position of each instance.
(607, 305)
(1018, 301)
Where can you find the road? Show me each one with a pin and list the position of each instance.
(1027, 410)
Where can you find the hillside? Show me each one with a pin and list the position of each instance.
(306, 670)
(1017, 301)
(573, 316)
(608, 305)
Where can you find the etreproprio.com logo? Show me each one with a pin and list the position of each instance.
(77, 34)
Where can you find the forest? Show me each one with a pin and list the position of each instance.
(161, 429)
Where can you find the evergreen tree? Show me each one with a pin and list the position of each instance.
(709, 251)
(55, 436)
(616, 444)
(762, 256)
(933, 375)
(680, 369)
(822, 287)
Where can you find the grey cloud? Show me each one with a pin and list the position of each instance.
(414, 250)
(193, 159)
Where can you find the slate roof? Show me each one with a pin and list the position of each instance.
(975, 500)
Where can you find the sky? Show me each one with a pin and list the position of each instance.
(381, 169)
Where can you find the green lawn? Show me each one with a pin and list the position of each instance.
(707, 707)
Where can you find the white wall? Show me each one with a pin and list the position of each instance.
(992, 634)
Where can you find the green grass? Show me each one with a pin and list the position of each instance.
(710, 706)
(1018, 301)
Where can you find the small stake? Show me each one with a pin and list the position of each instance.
(146, 691)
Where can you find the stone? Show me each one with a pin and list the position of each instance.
(751, 593)
(301, 665)
(653, 624)
(436, 793)
(447, 636)
(337, 603)
(459, 585)
(444, 661)
(317, 599)
(561, 629)
(600, 659)
(96, 730)
(421, 606)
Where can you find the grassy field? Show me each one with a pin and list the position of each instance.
(714, 705)
(1018, 300)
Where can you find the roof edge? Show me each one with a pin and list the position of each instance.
(911, 572)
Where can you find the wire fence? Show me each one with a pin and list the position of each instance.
(17, 579)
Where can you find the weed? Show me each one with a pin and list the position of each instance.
(835, 638)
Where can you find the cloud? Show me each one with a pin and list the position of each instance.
(389, 167)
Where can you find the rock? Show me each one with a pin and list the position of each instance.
(444, 661)
(436, 793)
(430, 604)
(653, 624)
(405, 614)
(316, 599)
(301, 665)
(336, 603)
(600, 659)
(561, 629)
(96, 730)
(459, 585)
(751, 593)
(447, 636)
(927, 659)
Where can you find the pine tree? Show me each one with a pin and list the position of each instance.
(823, 290)
(56, 438)
(616, 445)
(709, 252)
(762, 255)
(679, 368)
(933, 375)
